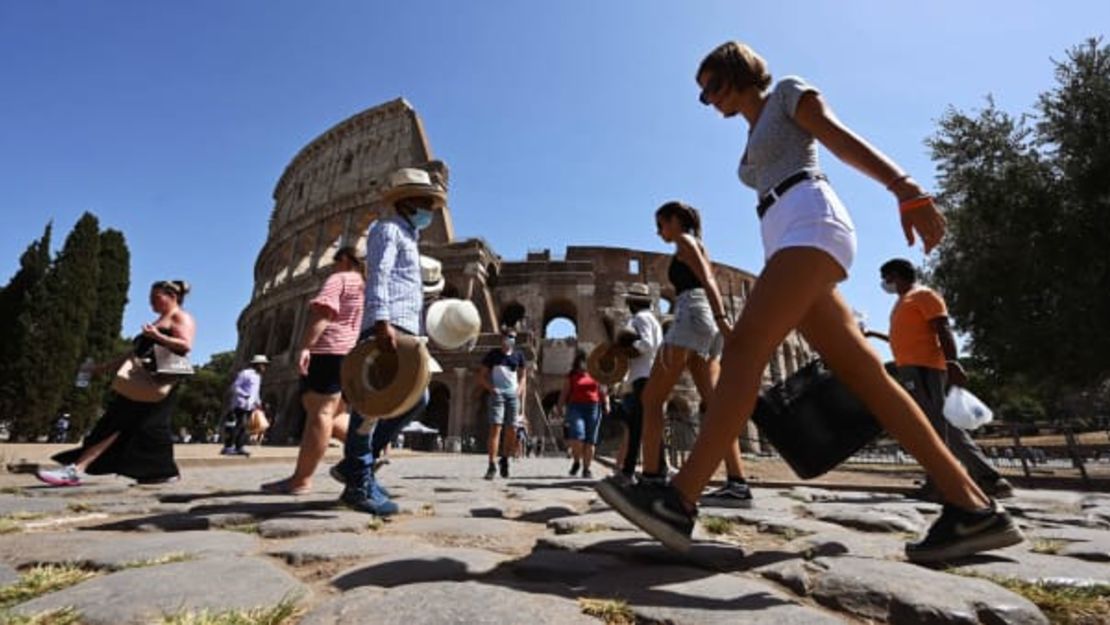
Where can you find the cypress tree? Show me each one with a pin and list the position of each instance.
(103, 336)
(58, 324)
(14, 300)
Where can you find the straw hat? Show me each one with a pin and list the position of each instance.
(607, 364)
(411, 182)
(451, 323)
(383, 385)
(431, 273)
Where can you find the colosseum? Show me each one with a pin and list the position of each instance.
(328, 196)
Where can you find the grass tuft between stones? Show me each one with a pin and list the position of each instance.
(65, 616)
(1063, 604)
(612, 611)
(284, 613)
(9, 526)
(1050, 546)
(40, 580)
(169, 558)
(717, 525)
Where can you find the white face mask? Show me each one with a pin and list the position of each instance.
(889, 286)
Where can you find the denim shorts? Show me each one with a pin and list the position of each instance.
(582, 421)
(694, 327)
(503, 407)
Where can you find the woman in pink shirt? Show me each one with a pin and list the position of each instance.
(335, 316)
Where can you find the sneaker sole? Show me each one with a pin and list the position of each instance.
(675, 541)
(725, 502)
(53, 482)
(969, 546)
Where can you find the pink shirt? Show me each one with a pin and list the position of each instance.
(342, 295)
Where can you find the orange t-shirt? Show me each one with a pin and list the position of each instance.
(913, 340)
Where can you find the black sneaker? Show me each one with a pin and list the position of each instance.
(926, 492)
(491, 471)
(574, 469)
(657, 510)
(734, 494)
(586, 473)
(998, 489)
(958, 533)
(503, 463)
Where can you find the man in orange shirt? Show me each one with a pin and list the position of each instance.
(925, 354)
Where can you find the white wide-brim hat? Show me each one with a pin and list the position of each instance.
(451, 323)
(431, 273)
(384, 385)
(412, 182)
(260, 359)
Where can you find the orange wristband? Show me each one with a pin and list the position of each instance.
(914, 203)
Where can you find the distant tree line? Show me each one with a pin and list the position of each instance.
(55, 313)
(1026, 264)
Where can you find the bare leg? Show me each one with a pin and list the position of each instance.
(669, 365)
(798, 284)
(93, 452)
(494, 442)
(705, 374)
(339, 426)
(587, 456)
(830, 328)
(319, 414)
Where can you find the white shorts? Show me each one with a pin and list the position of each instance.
(810, 214)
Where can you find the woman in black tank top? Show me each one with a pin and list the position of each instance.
(693, 343)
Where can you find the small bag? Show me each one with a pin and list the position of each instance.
(133, 381)
(257, 423)
(166, 362)
(966, 411)
(814, 421)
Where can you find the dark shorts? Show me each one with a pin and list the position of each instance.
(323, 374)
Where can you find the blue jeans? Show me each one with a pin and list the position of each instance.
(360, 450)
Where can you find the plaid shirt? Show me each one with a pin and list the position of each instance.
(394, 289)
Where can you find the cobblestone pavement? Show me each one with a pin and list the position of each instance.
(528, 549)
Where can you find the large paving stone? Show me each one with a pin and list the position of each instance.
(870, 544)
(901, 593)
(115, 550)
(1076, 542)
(420, 565)
(316, 522)
(681, 595)
(20, 506)
(340, 546)
(1019, 563)
(871, 518)
(8, 575)
(593, 522)
(436, 603)
(486, 533)
(141, 596)
(553, 565)
(636, 546)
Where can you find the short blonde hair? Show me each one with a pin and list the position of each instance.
(737, 65)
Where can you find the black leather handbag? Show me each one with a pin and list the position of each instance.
(814, 421)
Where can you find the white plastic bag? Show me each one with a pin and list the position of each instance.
(964, 410)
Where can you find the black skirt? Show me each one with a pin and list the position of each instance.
(144, 448)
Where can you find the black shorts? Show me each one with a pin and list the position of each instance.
(323, 374)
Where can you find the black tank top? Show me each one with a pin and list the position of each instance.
(682, 277)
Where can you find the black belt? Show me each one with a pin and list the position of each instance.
(774, 194)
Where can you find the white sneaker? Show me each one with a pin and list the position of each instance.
(65, 476)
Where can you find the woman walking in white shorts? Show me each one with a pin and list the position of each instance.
(809, 245)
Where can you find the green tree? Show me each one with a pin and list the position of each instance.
(102, 339)
(1024, 267)
(201, 400)
(57, 325)
(14, 301)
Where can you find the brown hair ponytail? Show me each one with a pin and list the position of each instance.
(688, 216)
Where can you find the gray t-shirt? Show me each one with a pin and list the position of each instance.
(777, 145)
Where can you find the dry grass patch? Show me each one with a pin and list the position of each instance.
(284, 613)
(66, 616)
(375, 523)
(41, 580)
(718, 526)
(1063, 604)
(612, 611)
(169, 558)
(243, 528)
(1050, 546)
(8, 526)
(80, 507)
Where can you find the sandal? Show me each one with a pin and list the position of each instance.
(283, 487)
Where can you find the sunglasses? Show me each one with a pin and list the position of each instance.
(712, 86)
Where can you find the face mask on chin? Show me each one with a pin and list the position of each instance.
(889, 286)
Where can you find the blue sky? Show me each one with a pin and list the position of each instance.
(562, 123)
